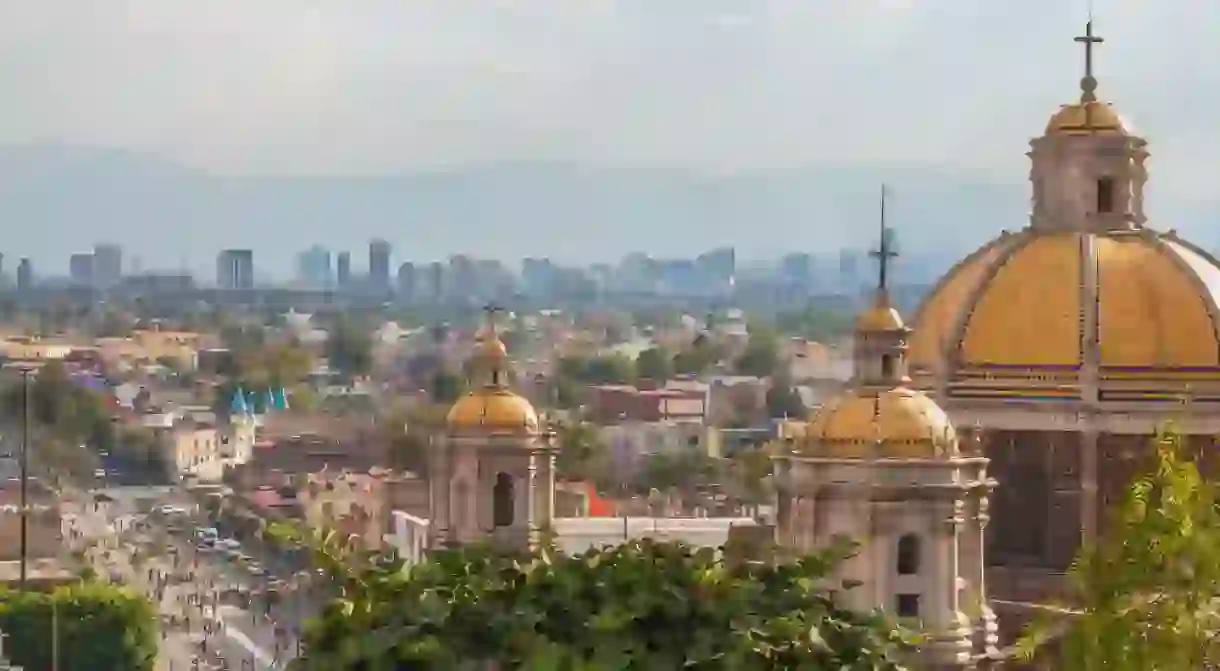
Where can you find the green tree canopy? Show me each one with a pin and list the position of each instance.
(643, 605)
(761, 355)
(98, 627)
(699, 357)
(65, 415)
(783, 399)
(603, 369)
(349, 348)
(581, 454)
(1147, 593)
(655, 363)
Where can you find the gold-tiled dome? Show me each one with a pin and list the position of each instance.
(1019, 303)
(492, 409)
(896, 423)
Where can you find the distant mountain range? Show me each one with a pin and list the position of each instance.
(55, 200)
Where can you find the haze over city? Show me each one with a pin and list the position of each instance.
(620, 111)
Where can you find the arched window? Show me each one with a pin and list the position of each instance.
(1105, 195)
(887, 366)
(908, 555)
(502, 501)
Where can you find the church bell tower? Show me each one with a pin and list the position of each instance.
(1087, 169)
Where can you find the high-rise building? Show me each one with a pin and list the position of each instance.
(107, 265)
(379, 264)
(81, 269)
(235, 269)
(313, 268)
(406, 282)
(343, 270)
(436, 280)
(25, 274)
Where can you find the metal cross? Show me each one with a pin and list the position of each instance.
(885, 250)
(1088, 40)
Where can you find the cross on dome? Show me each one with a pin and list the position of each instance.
(1088, 84)
(884, 251)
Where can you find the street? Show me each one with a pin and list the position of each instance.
(212, 614)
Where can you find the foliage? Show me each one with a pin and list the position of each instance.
(97, 627)
(349, 348)
(445, 386)
(275, 365)
(684, 469)
(67, 419)
(699, 357)
(604, 369)
(643, 605)
(750, 471)
(783, 400)
(581, 456)
(655, 363)
(1147, 592)
(761, 355)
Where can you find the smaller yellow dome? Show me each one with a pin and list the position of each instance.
(1087, 117)
(880, 317)
(493, 410)
(897, 423)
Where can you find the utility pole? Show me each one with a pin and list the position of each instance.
(24, 465)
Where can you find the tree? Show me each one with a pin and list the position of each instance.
(761, 355)
(783, 399)
(98, 627)
(642, 605)
(68, 418)
(446, 387)
(581, 456)
(1146, 594)
(349, 348)
(655, 363)
(604, 369)
(751, 472)
(698, 358)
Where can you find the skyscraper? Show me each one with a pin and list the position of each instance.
(107, 265)
(343, 270)
(406, 282)
(81, 269)
(235, 269)
(379, 264)
(313, 268)
(25, 274)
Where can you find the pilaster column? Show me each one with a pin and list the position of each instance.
(1088, 482)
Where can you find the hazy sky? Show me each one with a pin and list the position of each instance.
(340, 86)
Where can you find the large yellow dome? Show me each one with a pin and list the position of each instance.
(493, 410)
(894, 423)
(1029, 314)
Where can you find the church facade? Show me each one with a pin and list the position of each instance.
(1069, 343)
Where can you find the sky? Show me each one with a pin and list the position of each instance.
(377, 86)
